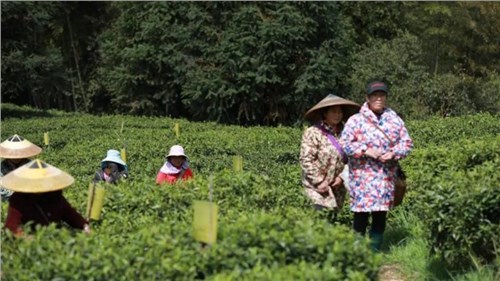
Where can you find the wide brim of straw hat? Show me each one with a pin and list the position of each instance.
(17, 147)
(36, 177)
(349, 108)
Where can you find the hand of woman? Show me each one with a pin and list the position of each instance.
(373, 153)
(86, 229)
(323, 187)
(338, 182)
(386, 157)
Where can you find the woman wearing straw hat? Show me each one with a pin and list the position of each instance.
(321, 156)
(38, 198)
(175, 168)
(113, 168)
(374, 139)
(16, 152)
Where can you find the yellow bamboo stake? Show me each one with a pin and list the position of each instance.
(46, 138)
(95, 201)
(205, 219)
(123, 154)
(238, 163)
(177, 130)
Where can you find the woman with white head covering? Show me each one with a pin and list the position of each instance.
(175, 168)
(15, 152)
(113, 168)
(38, 198)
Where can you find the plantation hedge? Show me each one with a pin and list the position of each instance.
(454, 188)
(166, 251)
(267, 229)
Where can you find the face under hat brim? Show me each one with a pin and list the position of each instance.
(36, 177)
(349, 108)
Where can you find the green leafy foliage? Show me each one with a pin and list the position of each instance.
(454, 189)
(144, 233)
(248, 63)
(267, 228)
(384, 60)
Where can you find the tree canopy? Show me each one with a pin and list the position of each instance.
(249, 62)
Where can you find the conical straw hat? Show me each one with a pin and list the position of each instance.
(16, 147)
(36, 177)
(348, 108)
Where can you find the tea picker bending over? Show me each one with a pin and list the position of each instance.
(38, 198)
(113, 168)
(175, 168)
(15, 152)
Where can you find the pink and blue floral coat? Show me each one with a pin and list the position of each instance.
(371, 182)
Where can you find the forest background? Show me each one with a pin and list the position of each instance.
(249, 63)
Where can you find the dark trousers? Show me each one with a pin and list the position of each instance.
(361, 222)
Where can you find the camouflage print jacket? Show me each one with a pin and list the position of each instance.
(321, 161)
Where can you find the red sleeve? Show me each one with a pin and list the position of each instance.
(13, 221)
(71, 216)
(188, 174)
(161, 178)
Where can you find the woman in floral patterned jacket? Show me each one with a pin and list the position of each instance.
(321, 156)
(372, 160)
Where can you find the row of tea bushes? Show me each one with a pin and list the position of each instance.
(145, 230)
(166, 251)
(441, 131)
(454, 188)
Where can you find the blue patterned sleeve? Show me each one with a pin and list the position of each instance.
(405, 144)
(349, 141)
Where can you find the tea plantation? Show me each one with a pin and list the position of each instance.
(266, 227)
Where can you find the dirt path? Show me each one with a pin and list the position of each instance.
(390, 272)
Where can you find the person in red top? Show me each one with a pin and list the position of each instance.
(38, 198)
(176, 167)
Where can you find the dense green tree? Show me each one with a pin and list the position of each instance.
(32, 65)
(273, 60)
(377, 19)
(47, 52)
(248, 62)
(458, 36)
(232, 62)
(398, 63)
(146, 53)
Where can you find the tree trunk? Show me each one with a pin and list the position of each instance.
(77, 65)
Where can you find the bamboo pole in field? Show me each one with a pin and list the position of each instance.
(46, 138)
(177, 129)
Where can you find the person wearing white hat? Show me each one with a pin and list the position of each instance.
(113, 168)
(175, 168)
(15, 152)
(321, 157)
(38, 198)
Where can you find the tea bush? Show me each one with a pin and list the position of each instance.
(267, 229)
